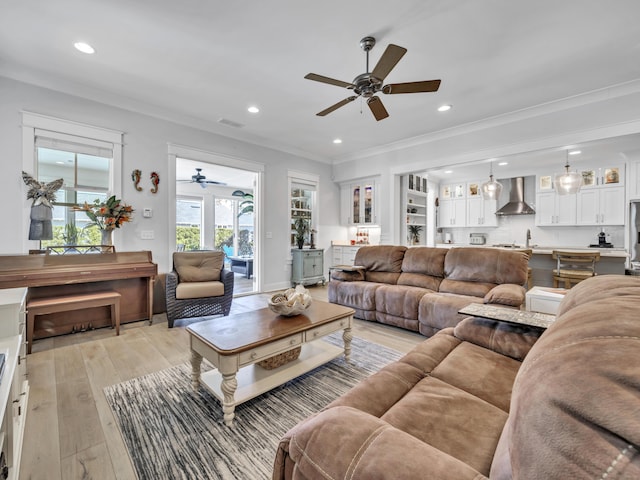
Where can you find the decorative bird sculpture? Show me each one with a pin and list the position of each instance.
(42, 193)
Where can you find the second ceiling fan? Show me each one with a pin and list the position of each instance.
(369, 83)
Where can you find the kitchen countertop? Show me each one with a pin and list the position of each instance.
(337, 243)
(547, 250)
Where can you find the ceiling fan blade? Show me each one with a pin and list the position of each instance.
(213, 182)
(377, 108)
(330, 81)
(388, 60)
(341, 103)
(412, 87)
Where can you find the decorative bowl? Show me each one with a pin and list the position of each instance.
(292, 302)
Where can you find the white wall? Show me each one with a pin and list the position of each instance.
(145, 148)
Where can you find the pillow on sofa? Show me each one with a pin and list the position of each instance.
(198, 266)
(508, 339)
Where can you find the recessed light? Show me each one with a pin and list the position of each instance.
(502, 164)
(444, 108)
(448, 171)
(337, 140)
(575, 152)
(253, 109)
(84, 47)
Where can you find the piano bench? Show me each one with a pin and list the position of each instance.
(66, 303)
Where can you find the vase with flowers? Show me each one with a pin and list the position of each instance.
(107, 216)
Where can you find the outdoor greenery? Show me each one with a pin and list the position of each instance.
(71, 235)
(189, 237)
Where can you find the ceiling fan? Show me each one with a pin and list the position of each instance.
(369, 83)
(201, 179)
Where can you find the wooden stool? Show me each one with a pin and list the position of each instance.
(573, 267)
(43, 306)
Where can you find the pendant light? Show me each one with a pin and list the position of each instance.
(491, 190)
(567, 182)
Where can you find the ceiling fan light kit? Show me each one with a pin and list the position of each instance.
(368, 84)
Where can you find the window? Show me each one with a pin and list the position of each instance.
(189, 223)
(85, 157)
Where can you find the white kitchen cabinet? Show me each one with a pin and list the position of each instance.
(452, 213)
(553, 210)
(453, 206)
(601, 206)
(481, 212)
(14, 387)
(358, 202)
(343, 255)
(633, 180)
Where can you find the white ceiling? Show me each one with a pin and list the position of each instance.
(199, 61)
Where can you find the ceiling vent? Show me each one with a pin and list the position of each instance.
(230, 123)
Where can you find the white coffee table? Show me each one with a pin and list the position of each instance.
(234, 344)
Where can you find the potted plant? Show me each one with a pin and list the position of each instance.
(301, 226)
(414, 232)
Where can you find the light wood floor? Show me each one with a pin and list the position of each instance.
(70, 431)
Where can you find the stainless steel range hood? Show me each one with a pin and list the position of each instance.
(516, 204)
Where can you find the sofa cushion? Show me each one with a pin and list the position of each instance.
(343, 442)
(198, 266)
(576, 398)
(440, 310)
(383, 263)
(423, 267)
(360, 295)
(185, 290)
(486, 265)
(454, 421)
(399, 300)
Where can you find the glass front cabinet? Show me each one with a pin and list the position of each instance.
(358, 202)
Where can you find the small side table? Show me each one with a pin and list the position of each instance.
(544, 299)
(506, 314)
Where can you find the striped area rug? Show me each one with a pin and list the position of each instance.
(172, 432)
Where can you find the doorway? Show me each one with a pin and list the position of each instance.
(216, 209)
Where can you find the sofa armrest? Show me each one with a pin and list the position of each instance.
(512, 340)
(347, 275)
(343, 442)
(506, 294)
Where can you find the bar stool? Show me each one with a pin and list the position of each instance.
(573, 267)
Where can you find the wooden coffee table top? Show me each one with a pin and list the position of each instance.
(244, 331)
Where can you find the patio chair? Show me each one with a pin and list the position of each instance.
(198, 286)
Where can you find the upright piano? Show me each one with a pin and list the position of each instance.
(129, 273)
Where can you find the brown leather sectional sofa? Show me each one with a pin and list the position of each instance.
(493, 399)
(422, 288)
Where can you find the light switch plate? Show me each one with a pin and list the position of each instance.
(146, 234)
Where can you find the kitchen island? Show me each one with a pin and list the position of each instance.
(612, 260)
